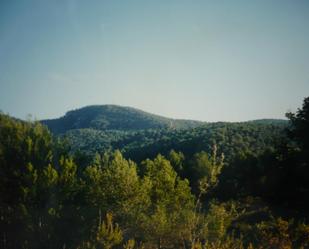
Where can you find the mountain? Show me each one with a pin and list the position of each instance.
(113, 117)
(270, 121)
(139, 135)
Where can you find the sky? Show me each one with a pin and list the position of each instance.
(205, 60)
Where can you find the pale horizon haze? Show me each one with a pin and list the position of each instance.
(204, 60)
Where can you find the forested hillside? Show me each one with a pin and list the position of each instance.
(215, 186)
(113, 117)
(140, 135)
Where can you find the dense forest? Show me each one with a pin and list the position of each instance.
(140, 135)
(105, 177)
(113, 117)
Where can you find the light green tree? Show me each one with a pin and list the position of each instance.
(171, 206)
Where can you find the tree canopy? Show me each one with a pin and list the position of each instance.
(223, 185)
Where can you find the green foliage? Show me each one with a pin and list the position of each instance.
(139, 135)
(108, 234)
(235, 140)
(112, 185)
(171, 203)
(228, 243)
(294, 156)
(177, 160)
(25, 149)
(299, 128)
(130, 244)
(53, 197)
(218, 219)
(282, 234)
(204, 170)
(112, 117)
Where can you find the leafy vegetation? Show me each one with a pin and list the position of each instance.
(112, 117)
(221, 185)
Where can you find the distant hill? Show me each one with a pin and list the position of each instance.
(113, 117)
(141, 135)
(270, 121)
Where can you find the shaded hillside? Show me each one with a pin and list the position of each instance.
(139, 134)
(231, 138)
(270, 121)
(112, 117)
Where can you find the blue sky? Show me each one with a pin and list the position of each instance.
(205, 60)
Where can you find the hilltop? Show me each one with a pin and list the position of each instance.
(114, 117)
(139, 134)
